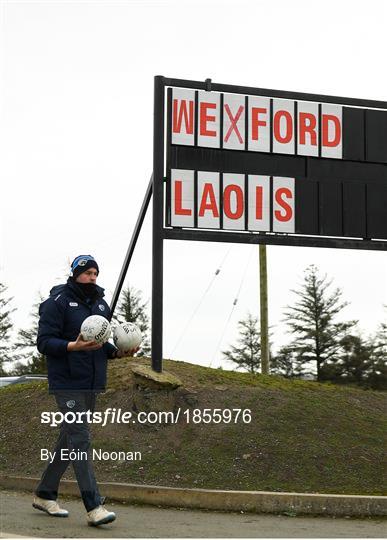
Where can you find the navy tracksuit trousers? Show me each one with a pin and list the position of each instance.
(72, 436)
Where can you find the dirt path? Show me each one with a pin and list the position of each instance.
(19, 518)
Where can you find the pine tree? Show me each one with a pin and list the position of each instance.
(355, 361)
(132, 308)
(312, 322)
(381, 339)
(5, 329)
(378, 374)
(247, 354)
(285, 363)
(29, 360)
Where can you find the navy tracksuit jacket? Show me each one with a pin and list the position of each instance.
(61, 317)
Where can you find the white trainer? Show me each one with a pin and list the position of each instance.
(100, 516)
(50, 507)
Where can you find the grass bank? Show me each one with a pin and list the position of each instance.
(303, 436)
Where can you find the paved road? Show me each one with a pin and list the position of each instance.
(19, 518)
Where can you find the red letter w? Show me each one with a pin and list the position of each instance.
(179, 113)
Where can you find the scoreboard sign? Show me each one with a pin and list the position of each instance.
(258, 166)
(296, 169)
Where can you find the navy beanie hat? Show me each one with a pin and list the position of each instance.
(82, 263)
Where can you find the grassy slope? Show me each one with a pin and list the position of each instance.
(303, 436)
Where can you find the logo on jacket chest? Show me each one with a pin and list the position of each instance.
(101, 307)
(73, 304)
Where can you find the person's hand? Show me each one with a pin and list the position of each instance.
(81, 345)
(131, 352)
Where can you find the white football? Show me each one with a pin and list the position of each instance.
(96, 328)
(127, 336)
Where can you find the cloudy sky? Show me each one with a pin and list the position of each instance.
(76, 147)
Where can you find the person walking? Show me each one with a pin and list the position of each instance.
(76, 374)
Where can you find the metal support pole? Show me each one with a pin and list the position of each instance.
(265, 352)
(132, 245)
(157, 226)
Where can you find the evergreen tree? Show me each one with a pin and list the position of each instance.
(355, 362)
(285, 363)
(247, 354)
(381, 340)
(29, 360)
(312, 320)
(132, 308)
(5, 329)
(362, 362)
(377, 378)
(378, 373)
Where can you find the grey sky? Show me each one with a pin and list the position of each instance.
(76, 145)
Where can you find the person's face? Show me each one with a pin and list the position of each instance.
(89, 276)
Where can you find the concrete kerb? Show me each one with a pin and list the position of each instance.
(234, 501)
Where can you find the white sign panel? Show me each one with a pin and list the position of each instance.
(209, 119)
(182, 194)
(259, 203)
(208, 200)
(283, 204)
(331, 131)
(283, 126)
(234, 121)
(259, 124)
(234, 201)
(183, 116)
(308, 129)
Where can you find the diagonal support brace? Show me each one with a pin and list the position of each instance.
(132, 245)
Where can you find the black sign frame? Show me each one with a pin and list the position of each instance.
(162, 232)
